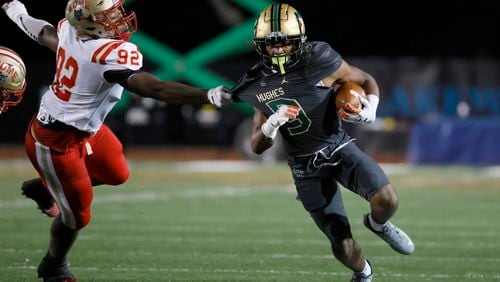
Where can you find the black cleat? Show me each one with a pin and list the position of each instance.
(35, 190)
(52, 271)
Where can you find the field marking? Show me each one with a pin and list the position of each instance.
(223, 239)
(229, 166)
(215, 166)
(467, 276)
(277, 256)
(16, 163)
(153, 196)
(493, 171)
(208, 165)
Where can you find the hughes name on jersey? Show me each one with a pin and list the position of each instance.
(317, 124)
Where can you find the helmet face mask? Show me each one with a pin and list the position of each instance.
(279, 23)
(101, 19)
(12, 78)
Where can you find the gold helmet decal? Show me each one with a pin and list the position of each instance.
(279, 23)
(279, 19)
(101, 18)
(12, 78)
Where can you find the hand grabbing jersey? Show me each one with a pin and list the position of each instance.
(219, 96)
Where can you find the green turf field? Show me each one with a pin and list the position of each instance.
(175, 222)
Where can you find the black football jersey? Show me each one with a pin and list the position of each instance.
(317, 124)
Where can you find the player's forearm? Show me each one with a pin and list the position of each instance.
(370, 85)
(17, 12)
(260, 142)
(177, 93)
(48, 38)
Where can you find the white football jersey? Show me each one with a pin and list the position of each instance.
(79, 95)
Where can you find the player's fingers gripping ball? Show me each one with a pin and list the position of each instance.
(350, 108)
(348, 97)
(353, 105)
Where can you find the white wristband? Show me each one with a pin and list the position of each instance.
(371, 112)
(373, 100)
(268, 130)
(31, 26)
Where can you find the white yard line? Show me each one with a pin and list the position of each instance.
(466, 277)
(161, 238)
(152, 196)
(215, 166)
(493, 171)
(277, 256)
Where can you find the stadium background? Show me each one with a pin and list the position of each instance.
(438, 66)
(239, 221)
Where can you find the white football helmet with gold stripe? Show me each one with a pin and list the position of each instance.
(12, 78)
(101, 18)
(280, 23)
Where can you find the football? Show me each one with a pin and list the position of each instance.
(349, 92)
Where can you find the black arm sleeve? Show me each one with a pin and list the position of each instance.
(119, 76)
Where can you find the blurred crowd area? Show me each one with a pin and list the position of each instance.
(438, 70)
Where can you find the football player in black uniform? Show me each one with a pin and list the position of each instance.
(291, 90)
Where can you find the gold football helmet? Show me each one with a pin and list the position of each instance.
(101, 18)
(280, 23)
(12, 78)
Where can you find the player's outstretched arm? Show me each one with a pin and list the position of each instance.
(37, 29)
(146, 85)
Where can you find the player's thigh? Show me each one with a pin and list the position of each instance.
(105, 160)
(315, 188)
(332, 219)
(68, 181)
(359, 173)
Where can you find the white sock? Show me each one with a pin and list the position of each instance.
(374, 225)
(367, 271)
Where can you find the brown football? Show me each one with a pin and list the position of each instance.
(349, 92)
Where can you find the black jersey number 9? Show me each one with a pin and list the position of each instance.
(297, 126)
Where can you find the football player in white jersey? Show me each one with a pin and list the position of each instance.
(67, 142)
(12, 79)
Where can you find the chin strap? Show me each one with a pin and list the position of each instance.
(280, 61)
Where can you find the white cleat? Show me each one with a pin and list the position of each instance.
(395, 237)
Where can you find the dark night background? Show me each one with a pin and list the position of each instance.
(421, 28)
(424, 29)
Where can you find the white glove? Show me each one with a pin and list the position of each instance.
(280, 117)
(14, 10)
(219, 96)
(17, 12)
(366, 114)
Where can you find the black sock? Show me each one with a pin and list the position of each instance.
(53, 260)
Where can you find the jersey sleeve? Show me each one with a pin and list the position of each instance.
(253, 74)
(118, 55)
(323, 61)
